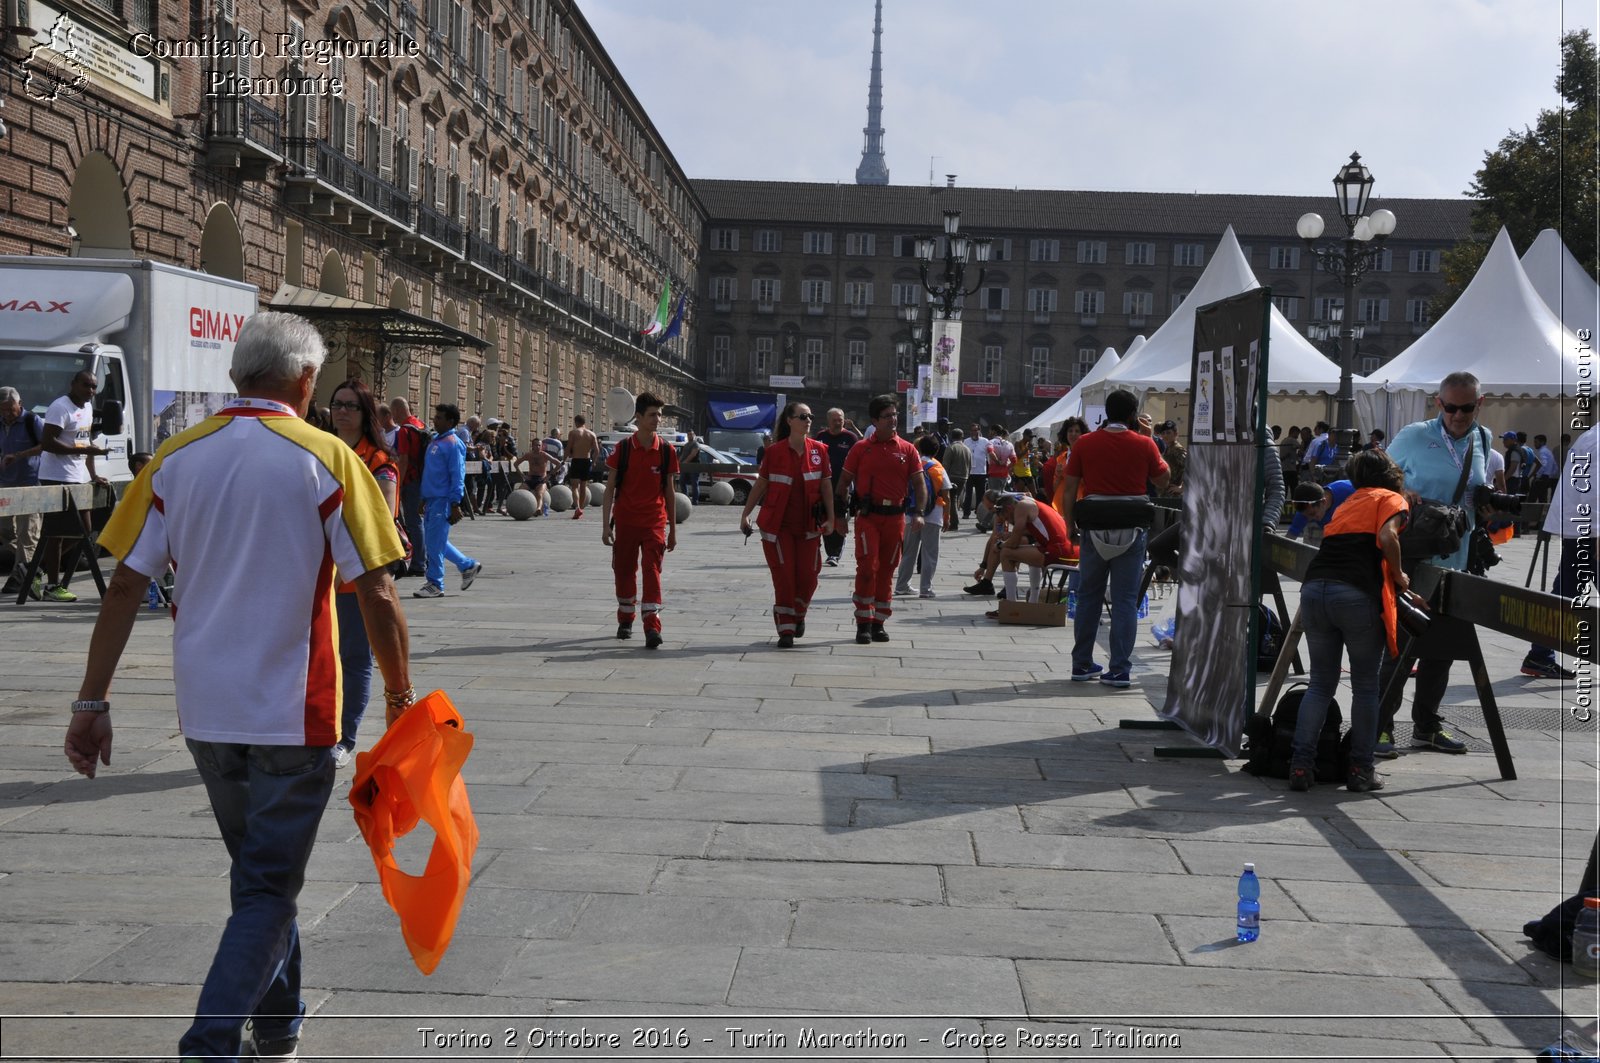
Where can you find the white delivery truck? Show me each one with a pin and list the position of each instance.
(158, 338)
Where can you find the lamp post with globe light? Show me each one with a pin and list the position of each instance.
(949, 287)
(1360, 251)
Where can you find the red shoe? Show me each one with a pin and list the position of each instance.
(577, 513)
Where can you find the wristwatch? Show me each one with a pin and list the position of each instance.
(91, 706)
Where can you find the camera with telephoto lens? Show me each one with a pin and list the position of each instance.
(1501, 506)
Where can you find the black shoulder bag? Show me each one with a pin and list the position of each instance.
(1435, 529)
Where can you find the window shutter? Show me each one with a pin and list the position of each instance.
(386, 154)
(412, 170)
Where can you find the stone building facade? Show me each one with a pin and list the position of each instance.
(466, 197)
(808, 280)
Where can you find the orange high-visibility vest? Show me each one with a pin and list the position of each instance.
(414, 773)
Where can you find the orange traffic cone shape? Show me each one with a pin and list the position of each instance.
(414, 773)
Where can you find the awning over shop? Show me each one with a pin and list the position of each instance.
(379, 324)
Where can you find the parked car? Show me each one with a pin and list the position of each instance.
(741, 482)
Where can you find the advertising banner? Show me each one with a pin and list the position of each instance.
(1212, 684)
(946, 358)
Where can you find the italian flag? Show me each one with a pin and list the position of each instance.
(663, 311)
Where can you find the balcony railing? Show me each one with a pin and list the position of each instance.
(440, 229)
(434, 49)
(244, 125)
(483, 253)
(356, 181)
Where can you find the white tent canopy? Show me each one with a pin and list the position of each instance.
(1048, 423)
(1562, 283)
(1164, 363)
(1499, 330)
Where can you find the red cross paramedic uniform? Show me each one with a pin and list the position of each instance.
(790, 534)
(882, 471)
(639, 513)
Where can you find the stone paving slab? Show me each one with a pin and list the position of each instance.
(942, 826)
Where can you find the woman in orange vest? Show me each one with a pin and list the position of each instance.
(1347, 602)
(791, 484)
(1071, 429)
(355, 420)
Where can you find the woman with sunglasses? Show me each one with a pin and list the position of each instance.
(355, 420)
(794, 492)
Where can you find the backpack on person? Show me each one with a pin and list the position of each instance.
(411, 443)
(1269, 741)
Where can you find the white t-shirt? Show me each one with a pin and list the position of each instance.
(979, 449)
(75, 423)
(1493, 462)
(1572, 507)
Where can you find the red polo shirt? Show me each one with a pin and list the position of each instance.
(882, 469)
(1115, 461)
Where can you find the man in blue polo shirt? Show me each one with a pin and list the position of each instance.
(444, 483)
(1432, 454)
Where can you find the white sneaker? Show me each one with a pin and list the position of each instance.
(469, 574)
(428, 590)
(342, 756)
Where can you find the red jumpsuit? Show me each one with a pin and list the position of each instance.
(882, 472)
(639, 519)
(790, 535)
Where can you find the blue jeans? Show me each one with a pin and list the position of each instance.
(436, 529)
(1122, 575)
(410, 504)
(1339, 616)
(355, 664)
(268, 801)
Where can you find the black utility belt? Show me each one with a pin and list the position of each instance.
(884, 509)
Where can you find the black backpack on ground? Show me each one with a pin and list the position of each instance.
(1269, 740)
(1269, 639)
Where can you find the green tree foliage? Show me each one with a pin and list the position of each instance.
(1540, 178)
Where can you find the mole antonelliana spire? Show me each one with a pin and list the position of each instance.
(874, 169)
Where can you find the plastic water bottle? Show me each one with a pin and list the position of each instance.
(153, 595)
(1586, 940)
(1072, 604)
(1164, 631)
(1144, 607)
(1249, 904)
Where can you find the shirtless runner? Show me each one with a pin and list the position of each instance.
(582, 446)
(543, 466)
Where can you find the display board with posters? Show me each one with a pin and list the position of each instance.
(1212, 681)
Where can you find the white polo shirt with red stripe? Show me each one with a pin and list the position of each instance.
(256, 510)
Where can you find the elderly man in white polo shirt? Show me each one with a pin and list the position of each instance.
(255, 662)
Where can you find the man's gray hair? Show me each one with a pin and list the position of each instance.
(275, 347)
(831, 410)
(9, 394)
(1462, 379)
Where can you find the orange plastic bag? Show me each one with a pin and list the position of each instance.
(414, 773)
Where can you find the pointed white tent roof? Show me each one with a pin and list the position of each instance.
(1071, 404)
(1563, 284)
(1163, 364)
(1499, 330)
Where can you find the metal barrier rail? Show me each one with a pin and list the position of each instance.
(64, 508)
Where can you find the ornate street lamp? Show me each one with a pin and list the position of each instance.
(949, 288)
(1350, 259)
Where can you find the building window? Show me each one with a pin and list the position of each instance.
(1086, 360)
(994, 298)
(769, 241)
(993, 355)
(1193, 255)
(1039, 364)
(1383, 259)
(1288, 306)
(1424, 262)
(1417, 311)
(858, 363)
(1285, 258)
(905, 294)
(725, 239)
(858, 293)
(1041, 300)
(860, 244)
(765, 290)
(902, 360)
(1000, 250)
(816, 292)
(1374, 310)
(1044, 250)
(1138, 304)
(1092, 252)
(1087, 302)
(1326, 305)
(813, 363)
(1370, 363)
(723, 289)
(721, 357)
(819, 243)
(1141, 254)
(761, 360)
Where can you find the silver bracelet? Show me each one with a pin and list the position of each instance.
(91, 706)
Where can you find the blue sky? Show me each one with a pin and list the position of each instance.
(1143, 95)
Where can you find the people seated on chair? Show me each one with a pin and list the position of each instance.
(1037, 538)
